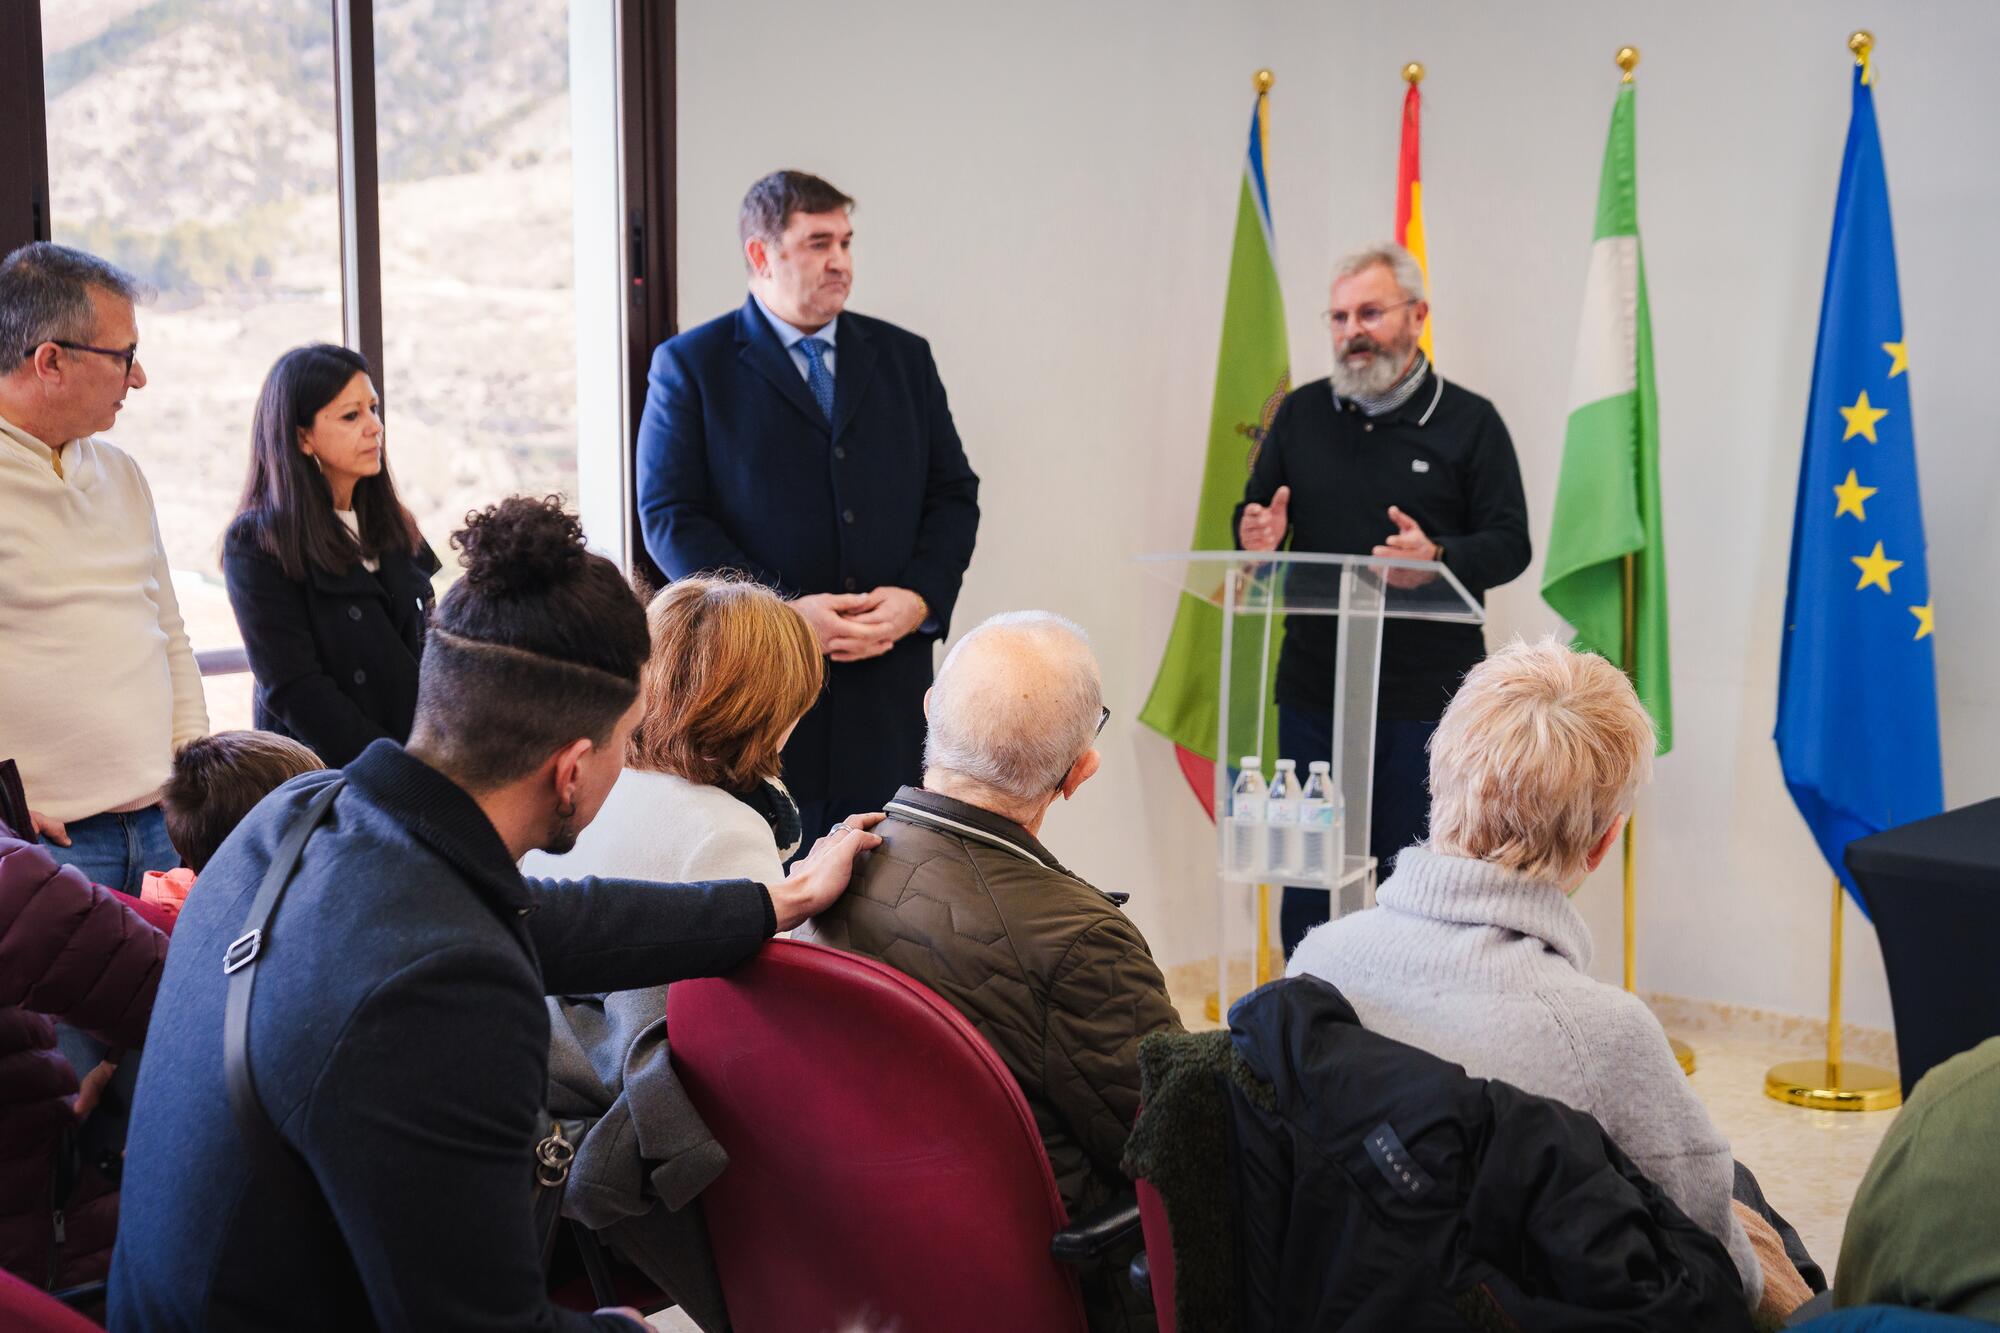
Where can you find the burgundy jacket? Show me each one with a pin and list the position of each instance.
(73, 951)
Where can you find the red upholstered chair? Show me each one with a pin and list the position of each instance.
(28, 1309)
(882, 1161)
(1159, 1255)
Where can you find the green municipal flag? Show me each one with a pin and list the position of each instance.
(1608, 496)
(1251, 377)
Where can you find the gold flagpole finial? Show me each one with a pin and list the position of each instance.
(1413, 73)
(1861, 42)
(1628, 60)
(1264, 80)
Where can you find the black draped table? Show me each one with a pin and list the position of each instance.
(1933, 891)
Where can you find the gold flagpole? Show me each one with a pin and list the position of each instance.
(1834, 1084)
(1682, 1051)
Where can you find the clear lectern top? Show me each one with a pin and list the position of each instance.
(1246, 593)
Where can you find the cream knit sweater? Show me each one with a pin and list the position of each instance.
(1489, 969)
(97, 680)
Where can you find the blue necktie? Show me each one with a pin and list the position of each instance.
(818, 378)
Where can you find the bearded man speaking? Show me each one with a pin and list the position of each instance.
(1383, 457)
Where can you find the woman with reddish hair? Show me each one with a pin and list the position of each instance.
(733, 668)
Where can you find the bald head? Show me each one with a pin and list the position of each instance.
(1015, 705)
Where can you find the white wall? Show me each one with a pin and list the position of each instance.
(1047, 194)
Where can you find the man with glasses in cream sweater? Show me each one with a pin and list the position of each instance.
(100, 683)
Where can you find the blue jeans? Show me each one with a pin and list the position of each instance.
(117, 850)
(1399, 816)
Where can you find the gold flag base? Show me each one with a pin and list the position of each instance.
(1829, 1087)
(1834, 1084)
(1683, 1053)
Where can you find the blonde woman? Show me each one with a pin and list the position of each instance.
(732, 670)
(1475, 953)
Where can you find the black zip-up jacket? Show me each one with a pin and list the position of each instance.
(399, 1042)
(1445, 459)
(1386, 1189)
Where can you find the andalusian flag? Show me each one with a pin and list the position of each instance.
(1410, 192)
(1608, 496)
(1252, 375)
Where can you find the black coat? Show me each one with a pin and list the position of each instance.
(1385, 1188)
(739, 470)
(1445, 459)
(399, 1040)
(335, 654)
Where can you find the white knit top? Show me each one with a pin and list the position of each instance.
(97, 680)
(1488, 969)
(663, 827)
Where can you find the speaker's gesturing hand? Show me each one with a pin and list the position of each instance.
(1263, 526)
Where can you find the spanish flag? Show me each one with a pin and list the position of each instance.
(1410, 191)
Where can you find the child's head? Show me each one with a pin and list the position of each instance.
(218, 779)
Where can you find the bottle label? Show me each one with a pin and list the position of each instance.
(1284, 812)
(1250, 808)
(1320, 816)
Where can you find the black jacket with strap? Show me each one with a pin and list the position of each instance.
(400, 1044)
(1384, 1188)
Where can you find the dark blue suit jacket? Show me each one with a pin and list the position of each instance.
(739, 470)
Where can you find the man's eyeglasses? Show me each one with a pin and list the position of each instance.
(1368, 317)
(126, 354)
(1103, 716)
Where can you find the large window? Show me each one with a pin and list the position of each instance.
(478, 311)
(193, 143)
(397, 175)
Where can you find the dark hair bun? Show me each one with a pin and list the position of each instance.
(521, 546)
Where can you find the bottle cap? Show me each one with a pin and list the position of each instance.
(1288, 763)
(1251, 761)
(1321, 766)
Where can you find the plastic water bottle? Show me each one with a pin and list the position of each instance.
(1246, 818)
(1317, 855)
(1281, 816)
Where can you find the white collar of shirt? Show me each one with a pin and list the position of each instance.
(351, 520)
(41, 451)
(792, 337)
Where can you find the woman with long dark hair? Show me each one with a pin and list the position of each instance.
(329, 577)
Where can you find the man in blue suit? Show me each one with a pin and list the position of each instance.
(812, 448)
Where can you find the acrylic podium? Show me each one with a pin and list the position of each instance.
(1244, 597)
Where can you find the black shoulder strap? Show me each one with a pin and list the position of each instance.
(253, 1121)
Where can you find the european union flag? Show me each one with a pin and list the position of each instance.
(1857, 692)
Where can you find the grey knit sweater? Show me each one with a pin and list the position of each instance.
(1489, 969)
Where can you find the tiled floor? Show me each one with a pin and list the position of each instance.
(1809, 1162)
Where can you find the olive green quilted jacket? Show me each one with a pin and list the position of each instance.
(1048, 968)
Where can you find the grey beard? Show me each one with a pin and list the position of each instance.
(1379, 377)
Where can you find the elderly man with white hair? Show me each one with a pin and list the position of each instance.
(1475, 954)
(962, 896)
(1383, 457)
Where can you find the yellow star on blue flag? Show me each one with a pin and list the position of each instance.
(1857, 725)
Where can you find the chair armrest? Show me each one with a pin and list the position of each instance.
(1088, 1240)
